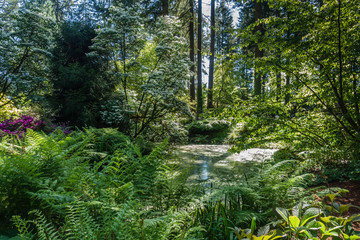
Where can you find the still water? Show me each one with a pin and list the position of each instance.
(214, 163)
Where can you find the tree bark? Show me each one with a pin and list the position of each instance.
(258, 53)
(192, 52)
(199, 106)
(212, 57)
(165, 7)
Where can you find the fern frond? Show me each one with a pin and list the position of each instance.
(45, 230)
(23, 228)
(79, 224)
(159, 150)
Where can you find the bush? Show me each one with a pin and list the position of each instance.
(209, 130)
(18, 127)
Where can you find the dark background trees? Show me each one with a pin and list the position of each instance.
(282, 51)
(79, 87)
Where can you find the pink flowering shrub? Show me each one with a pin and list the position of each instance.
(18, 127)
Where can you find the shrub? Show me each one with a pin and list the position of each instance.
(18, 127)
(209, 130)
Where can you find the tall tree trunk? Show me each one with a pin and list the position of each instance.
(199, 106)
(287, 81)
(165, 7)
(192, 52)
(212, 56)
(278, 71)
(258, 53)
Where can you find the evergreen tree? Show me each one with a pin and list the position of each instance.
(224, 78)
(224, 20)
(79, 88)
(192, 50)
(259, 53)
(212, 57)
(199, 107)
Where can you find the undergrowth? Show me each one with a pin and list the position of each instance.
(91, 184)
(98, 184)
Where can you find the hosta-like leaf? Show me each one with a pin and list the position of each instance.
(344, 208)
(326, 219)
(310, 214)
(294, 221)
(283, 213)
(316, 225)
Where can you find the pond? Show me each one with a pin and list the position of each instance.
(215, 164)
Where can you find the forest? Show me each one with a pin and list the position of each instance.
(179, 119)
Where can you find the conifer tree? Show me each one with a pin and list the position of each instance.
(212, 57)
(199, 106)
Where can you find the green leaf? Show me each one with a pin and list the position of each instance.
(253, 225)
(316, 225)
(331, 196)
(344, 208)
(294, 221)
(326, 219)
(283, 213)
(310, 214)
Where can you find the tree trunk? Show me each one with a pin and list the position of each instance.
(165, 7)
(192, 52)
(212, 56)
(287, 81)
(258, 53)
(199, 106)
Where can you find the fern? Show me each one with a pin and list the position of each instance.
(23, 228)
(45, 230)
(79, 224)
(158, 152)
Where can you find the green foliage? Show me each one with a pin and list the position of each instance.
(25, 39)
(92, 184)
(79, 86)
(209, 130)
(267, 124)
(150, 74)
(321, 68)
(109, 140)
(171, 126)
(253, 194)
(96, 184)
(309, 222)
